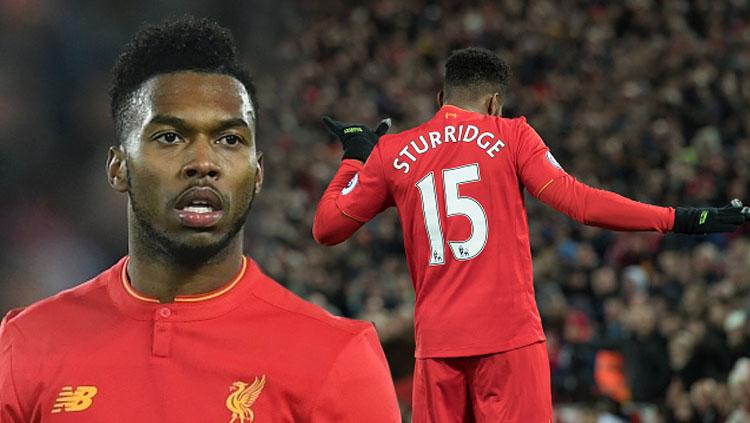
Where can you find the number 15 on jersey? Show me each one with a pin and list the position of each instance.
(455, 204)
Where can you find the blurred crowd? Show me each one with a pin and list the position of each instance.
(643, 97)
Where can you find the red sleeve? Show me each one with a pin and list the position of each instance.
(359, 387)
(10, 404)
(331, 226)
(546, 180)
(606, 209)
(355, 195)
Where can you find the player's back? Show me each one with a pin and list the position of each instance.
(455, 182)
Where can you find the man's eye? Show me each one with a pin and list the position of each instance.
(168, 138)
(230, 139)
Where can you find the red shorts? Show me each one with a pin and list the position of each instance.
(509, 387)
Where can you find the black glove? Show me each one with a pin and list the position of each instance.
(358, 139)
(706, 220)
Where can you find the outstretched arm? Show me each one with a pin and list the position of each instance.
(602, 208)
(548, 182)
(606, 209)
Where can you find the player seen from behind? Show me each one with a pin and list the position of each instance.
(457, 182)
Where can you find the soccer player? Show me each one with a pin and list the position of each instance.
(457, 182)
(185, 328)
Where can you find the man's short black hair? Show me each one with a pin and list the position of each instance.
(181, 44)
(474, 72)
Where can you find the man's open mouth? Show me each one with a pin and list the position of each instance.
(199, 207)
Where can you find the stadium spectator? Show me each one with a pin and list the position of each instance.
(739, 388)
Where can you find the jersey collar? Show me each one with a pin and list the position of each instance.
(185, 307)
(449, 111)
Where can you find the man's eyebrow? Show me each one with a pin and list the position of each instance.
(182, 124)
(168, 120)
(231, 123)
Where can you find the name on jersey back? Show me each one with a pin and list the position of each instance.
(451, 134)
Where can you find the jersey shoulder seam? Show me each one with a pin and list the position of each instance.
(82, 290)
(354, 333)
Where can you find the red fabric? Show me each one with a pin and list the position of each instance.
(492, 291)
(605, 209)
(510, 387)
(550, 184)
(404, 388)
(155, 362)
(331, 226)
(459, 293)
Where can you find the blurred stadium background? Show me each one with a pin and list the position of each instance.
(647, 98)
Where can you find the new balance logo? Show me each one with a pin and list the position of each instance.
(77, 399)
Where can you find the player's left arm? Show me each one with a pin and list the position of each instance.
(358, 191)
(548, 182)
(358, 387)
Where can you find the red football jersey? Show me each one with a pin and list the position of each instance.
(251, 351)
(457, 182)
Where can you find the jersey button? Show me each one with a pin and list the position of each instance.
(165, 312)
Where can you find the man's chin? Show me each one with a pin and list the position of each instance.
(196, 250)
(179, 243)
(189, 246)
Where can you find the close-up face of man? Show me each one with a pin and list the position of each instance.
(188, 162)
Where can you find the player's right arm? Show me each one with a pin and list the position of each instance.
(11, 409)
(331, 225)
(358, 191)
(546, 180)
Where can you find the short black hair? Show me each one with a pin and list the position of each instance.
(475, 71)
(178, 44)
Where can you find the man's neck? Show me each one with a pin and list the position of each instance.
(163, 279)
(476, 108)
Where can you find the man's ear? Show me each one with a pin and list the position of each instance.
(441, 97)
(117, 169)
(495, 105)
(259, 173)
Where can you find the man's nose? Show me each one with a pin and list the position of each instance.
(202, 160)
